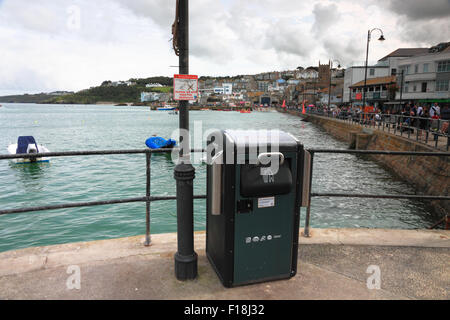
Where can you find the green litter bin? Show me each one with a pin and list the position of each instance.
(254, 192)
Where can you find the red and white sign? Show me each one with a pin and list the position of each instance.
(185, 87)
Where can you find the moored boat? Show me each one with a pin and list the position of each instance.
(27, 145)
(166, 108)
(160, 143)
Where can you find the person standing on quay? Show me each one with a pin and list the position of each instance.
(435, 111)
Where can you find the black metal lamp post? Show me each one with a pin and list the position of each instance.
(369, 33)
(401, 87)
(329, 88)
(184, 173)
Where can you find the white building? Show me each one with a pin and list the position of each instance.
(153, 85)
(386, 66)
(150, 96)
(356, 74)
(426, 77)
(227, 88)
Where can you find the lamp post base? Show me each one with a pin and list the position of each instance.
(186, 266)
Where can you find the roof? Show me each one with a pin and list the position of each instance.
(375, 81)
(406, 52)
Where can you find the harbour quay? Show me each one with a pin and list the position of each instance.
(332, 264)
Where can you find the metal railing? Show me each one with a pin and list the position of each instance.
(416, 128)
(147, 199)
(311, 194)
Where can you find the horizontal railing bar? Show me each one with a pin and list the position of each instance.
(89, 153)
(163, 198)
(380, 196)
(393, 153)
(73, 205)
(93, 203)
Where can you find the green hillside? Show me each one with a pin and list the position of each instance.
(106, 92)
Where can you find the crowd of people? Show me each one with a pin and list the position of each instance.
(423, 117)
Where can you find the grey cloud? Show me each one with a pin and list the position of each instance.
(422, 22)
(344, 52)
(421, 9)
(32, 16)
(424, 33)
(162, 12)
(288, 38)
(325, 16)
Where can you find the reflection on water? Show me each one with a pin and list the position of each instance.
(31, 175)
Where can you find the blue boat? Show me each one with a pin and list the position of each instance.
(27, 145)
(160, 143)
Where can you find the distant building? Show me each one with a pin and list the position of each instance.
(60, 93)
(426, 76)
(324, 75)
(153, 85)
(392, 60)
(356, 74)
(150, 96)
(386, 66)
(227, 88)
(219, 90)
(378, 91)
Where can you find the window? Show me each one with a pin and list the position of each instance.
(442, 85)
(416, 69)
(425, 67)
(406, 88)
(393, 72)
(406, 69)
(372, 72)
(424, 87)
(414, 88)
(371, 89)
(443, 66)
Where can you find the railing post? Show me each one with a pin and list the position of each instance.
(401, 126)
(308, 208)
(437, 133)
(147, 196)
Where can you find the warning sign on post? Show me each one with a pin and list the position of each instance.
(185, 87)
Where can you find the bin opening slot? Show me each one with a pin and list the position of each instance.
(256, 180)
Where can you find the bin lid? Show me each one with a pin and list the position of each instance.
(258, 138)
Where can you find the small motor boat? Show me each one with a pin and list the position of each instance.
(160, 143)
(27, 145)
(166, 108)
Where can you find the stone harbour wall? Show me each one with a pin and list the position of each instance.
(428, 175)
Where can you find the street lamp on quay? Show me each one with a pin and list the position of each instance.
(369, 33)
(329, 88)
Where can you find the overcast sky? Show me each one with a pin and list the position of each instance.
(48, 45)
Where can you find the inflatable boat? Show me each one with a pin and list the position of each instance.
(27, 145)
(160, 143)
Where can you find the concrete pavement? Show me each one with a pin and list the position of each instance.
(333, 264)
